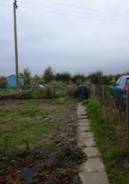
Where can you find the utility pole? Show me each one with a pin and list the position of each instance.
(15, 41)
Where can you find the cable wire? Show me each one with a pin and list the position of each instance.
(69, 5)
(74, 14)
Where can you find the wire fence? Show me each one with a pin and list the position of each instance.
(115, 110)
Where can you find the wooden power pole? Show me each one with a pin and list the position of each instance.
(15, 41)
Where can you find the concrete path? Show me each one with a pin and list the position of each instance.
(93, 170)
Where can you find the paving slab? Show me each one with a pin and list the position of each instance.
(94, 177)
(92, 171)
(92, 152)
(88, 142)
(92, 165)
(83, 117)
(85, 121)
(89, 134)
(83, 128)
(81, 110)
(85, 135)
(83, 124)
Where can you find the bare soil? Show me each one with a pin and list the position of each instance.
(56, 163)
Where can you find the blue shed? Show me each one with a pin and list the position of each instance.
(12, 82)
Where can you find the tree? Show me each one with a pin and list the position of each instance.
(96, 77)
(3, 82)
(64, 77)
(36, 80)
(108, 79)
(27, 77)
(48, 75)
(78, 77)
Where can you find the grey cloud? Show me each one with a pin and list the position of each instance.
(78, 44)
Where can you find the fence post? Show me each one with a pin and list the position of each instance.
(93, 90)
(127, 114)
(103, 96)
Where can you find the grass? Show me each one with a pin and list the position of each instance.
(8, 91)
(115, 155)
(39, 137)
(56, 101)
(60, 88)
(26, 121)
(31, 101)
(20, 125)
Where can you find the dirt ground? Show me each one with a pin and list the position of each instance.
(55, 158)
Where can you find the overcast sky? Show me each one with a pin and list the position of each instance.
(78, 36)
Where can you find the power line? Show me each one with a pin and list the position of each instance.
(84, 9)
(82, 13)
(87, 10)
(77, 13)
(74, 14)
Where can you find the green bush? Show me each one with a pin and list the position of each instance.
(71, 92)
(47, 92)
(23, 95)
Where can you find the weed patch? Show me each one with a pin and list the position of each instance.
(38, 142)
(115, 153)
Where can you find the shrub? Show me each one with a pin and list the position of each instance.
(71, 91)
(3, 82)
(47, 92)
(48, 75)
(27, 78)
(23, 95)
(17, 95)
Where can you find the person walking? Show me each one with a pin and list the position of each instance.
(82, 92)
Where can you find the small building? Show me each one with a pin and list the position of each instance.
(12, 82)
